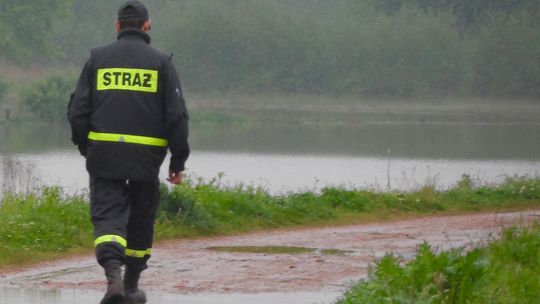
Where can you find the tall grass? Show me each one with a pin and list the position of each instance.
(505, 271)
(49, 223)
(207, 208)
(45, 223)
(17, 175)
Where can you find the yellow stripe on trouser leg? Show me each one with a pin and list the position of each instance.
(138, 253)
(127, 138)
(110, 238)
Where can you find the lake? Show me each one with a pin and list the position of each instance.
(297, 157)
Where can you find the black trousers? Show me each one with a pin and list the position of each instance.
(123, 214)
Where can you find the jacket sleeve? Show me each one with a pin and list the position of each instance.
(80, 108)
(176, 116)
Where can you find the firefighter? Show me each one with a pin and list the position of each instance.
(127, 109)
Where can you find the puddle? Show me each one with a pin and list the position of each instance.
(26, 296)
(59, 273)
(278, 250)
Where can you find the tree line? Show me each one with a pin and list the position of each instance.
(367, 48)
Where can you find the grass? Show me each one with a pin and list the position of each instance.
(194, 209)
(49, 223)
(42, 225)
(505, 271)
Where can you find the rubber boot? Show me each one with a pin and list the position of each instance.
(115, 286)
(131, 285)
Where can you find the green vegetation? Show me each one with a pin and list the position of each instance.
(352, 49)
(355, 47)
(43, 224)
(382, 49)
(206, 208)
(49, 223)
(25, 27)
(505, 271)
(47, 99)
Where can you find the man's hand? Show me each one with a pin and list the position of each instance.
(175, 178)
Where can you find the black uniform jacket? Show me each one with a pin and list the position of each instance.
(128, 100)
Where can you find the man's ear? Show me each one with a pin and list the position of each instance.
(147, 26)
(117, 26)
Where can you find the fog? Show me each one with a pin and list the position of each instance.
(409, 80)
(400, 50)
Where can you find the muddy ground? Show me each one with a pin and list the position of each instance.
(189, 272)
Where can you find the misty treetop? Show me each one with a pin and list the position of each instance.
(367, 48)
(469, 14)
(25, 26)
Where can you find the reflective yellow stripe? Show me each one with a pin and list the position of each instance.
(132, 139)
(138, 253)
(141, 80)
(110, 238)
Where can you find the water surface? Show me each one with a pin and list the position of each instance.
(297, 157)
(36, 296)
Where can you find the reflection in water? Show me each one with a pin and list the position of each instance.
(16, 175)
(35, 296)
(464, 141)
(34, 139)
(281, 173)
(298, 157)
(24, 296)
(457, 141)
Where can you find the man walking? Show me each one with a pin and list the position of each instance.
(126, 110)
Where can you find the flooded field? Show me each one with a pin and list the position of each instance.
(280, 173)
(288, 157)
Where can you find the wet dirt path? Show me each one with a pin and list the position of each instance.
(189, 272)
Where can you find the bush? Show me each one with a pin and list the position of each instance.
(506, 271)
(507, 48)
(47, 99)
(176, 204)
(349, 200)
(370, 48)
(407, 55)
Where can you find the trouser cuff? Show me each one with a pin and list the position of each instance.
(107, 253)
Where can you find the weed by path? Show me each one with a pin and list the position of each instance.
(506, 271)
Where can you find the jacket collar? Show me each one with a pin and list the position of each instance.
(132, 33)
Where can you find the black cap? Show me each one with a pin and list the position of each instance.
(132, 10)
